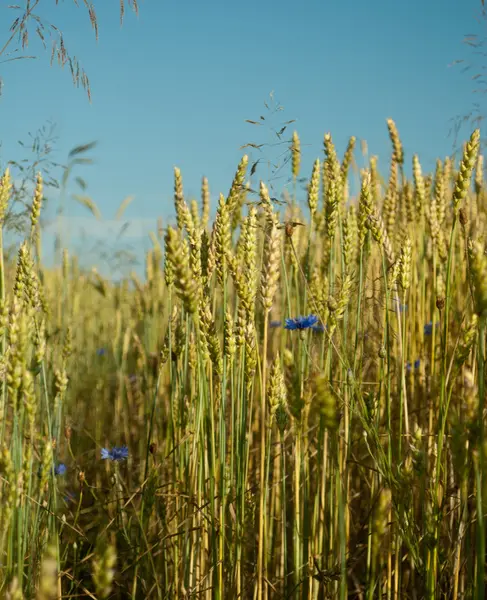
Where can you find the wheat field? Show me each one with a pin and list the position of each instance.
(290, 405)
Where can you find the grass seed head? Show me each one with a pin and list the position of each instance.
(478, 267)
(276, 393)
(36, 204)
(49, 575)
(396, 141)
(177, 255)
(419, 186)
(5, 193)
(479, 174)
(313, 188)
(365, 206)
(104, 570)
(467, 341)
(405, 271)
(237, 185)
(271, 265)
(205, 203)
(348, 158)
(295, 155)
(467, 164)
(327, 403)
(223, 240)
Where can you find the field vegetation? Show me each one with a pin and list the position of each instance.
(289, 405)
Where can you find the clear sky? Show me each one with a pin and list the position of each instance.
(174, 86)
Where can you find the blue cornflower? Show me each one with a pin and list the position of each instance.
(408, 366)
(101, 351)
(417, 363)
(115, 453)
(275, 324)
(428, 328)
(402, 307)
(60, 469)
(301, 322)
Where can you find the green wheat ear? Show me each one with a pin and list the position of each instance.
(295, 155)
(396, 141)
(177, 255)
(104, 569)
(478, 267)
(327, 403)
(467, 164)
(5, 193)
(313, 188)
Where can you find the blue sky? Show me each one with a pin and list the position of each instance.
(174, 86)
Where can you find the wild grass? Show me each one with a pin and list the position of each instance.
(178, 438)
